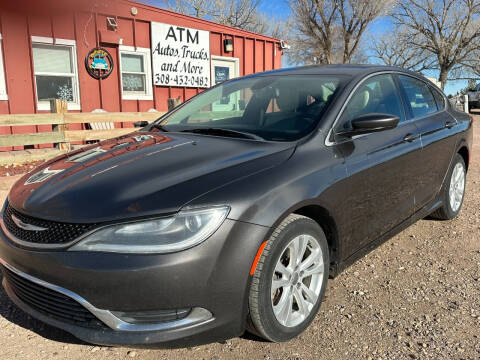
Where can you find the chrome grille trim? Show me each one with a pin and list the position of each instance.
(55, 235)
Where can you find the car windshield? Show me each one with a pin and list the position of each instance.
(273, 108)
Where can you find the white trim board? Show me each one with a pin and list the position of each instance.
(3, 80)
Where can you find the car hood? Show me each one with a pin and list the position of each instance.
(140, 174)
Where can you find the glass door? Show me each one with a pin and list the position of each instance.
(224, 69)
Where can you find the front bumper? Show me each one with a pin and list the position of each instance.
(212, 279)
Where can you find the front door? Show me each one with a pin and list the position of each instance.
(224, 69)
(379, 192)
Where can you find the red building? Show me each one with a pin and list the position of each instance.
(144, 54)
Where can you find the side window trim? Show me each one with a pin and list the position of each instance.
(433, 90)
(402, 97)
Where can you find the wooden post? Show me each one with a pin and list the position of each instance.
(58, 106)
(173, 103)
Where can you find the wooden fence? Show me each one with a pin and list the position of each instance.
(62, 135)
(101, 126)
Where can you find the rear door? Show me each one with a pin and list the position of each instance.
(379, 191)
(427, 109)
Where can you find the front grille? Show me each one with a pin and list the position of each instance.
(56, 233)
(50, 302)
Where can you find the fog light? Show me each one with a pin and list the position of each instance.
(152, 317)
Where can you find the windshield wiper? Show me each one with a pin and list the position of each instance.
(159, 127)
(224, 132)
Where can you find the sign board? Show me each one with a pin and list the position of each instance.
(99, 63)
(180, 56)
(222, 73)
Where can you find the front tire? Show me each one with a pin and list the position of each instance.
(290, 280)
(453, 192)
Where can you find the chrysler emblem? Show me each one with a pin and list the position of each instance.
(25, 226)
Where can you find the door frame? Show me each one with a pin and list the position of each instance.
(235, 60)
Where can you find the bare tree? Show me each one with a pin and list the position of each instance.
(197, 8)
(273, 26)
(330, 31)
(314, 21)
(468, 69)
(243, 14)
(448, 31)
(396, 51)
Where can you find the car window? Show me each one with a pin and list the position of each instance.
(276, 108)
(377, 94)
(419, 96)
(439, 99)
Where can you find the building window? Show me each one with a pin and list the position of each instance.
(3, 86)
(136, 73)
(56, 75)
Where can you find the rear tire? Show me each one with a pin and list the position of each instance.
(287, 289)
(453, 191)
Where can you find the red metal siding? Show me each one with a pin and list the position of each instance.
(259, 58)
(215, 44)
(63, 27)
(125, 30)
(239, 52)
(4, 106)
(142, 34)
(249, 56)
(269, 56)
(89, 87)
(18, 73)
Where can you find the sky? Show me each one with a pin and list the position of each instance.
(280, 8)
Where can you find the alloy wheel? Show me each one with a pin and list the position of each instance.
(457, 187)
(297, 280)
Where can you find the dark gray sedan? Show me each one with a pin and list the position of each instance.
(232, 211)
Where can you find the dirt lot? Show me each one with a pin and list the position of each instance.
(417, 296)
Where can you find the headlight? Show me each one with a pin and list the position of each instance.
(164, 235)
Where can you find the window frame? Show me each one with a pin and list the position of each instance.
(412, 117)
(72, 46)
(147, 66)
(341, 121)
(329, 139)
(3, 80)
(440, 93)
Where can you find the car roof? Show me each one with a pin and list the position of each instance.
(346, 70)
(337, 69)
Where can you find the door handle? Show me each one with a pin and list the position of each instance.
(450, 124)
(411, 137)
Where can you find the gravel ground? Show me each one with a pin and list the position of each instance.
(415, 297)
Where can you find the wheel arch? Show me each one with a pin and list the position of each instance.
(465, 154)
(323, 217)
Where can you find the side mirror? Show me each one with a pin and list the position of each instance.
(140, 124)
(369, 123)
